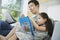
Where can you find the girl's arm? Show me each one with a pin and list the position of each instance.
(41, 28)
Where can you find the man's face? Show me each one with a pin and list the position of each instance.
(33, 8)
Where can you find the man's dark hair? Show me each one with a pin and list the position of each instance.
(34, 1)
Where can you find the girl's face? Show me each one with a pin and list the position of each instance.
(41, 20)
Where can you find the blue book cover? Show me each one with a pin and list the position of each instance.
(26, 24)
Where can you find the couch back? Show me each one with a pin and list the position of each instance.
(56, 32)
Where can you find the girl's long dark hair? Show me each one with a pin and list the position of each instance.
(48, 23)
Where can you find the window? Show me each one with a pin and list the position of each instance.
(12, 7)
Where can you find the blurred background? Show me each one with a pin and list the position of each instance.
(16, 7)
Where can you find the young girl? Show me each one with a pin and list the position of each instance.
(43, 24)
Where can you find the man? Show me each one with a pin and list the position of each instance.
(34, 9)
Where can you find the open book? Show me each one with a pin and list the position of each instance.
(26, 24)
